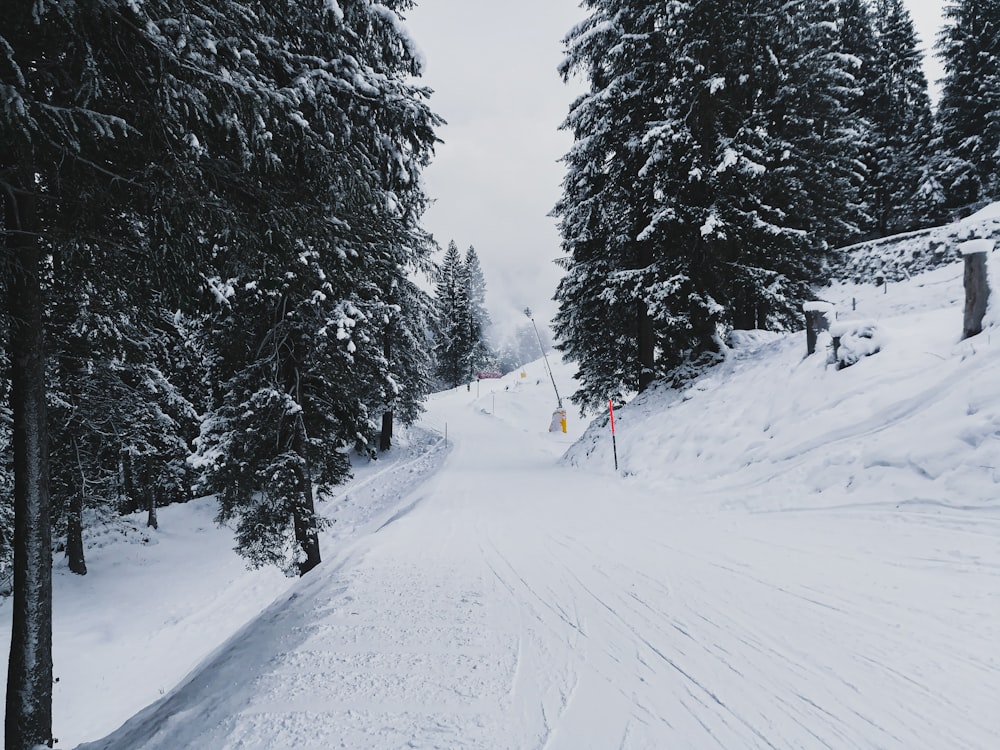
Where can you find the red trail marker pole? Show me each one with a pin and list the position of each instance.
(614, 443)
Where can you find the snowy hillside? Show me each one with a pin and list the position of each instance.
(917, 424)
(792, 555)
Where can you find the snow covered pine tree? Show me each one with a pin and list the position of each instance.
(304, 295)
(74, 79)
(968, 115)
(453, 328)
(713, 168)
(901, 120)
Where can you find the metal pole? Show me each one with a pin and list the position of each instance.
(527, 311)
(614, 443)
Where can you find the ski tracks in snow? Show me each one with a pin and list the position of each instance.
(695, 634)
(513, 604)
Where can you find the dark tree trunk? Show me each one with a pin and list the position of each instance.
(74, 522)
(747, 316)
(304, 512)
(74, 535)
(385, 438)
(146, 489)
(741, 320)
(151, 521)
(303, 508)
(29, 677)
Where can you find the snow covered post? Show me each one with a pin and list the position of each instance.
(977, 288)
(817, 319)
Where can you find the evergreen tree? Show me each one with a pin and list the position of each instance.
(453, 319)
(461, 321)
(715, 163)
(75, 80)
(111, 399)
(899, 111)
(481, 357)
(812, 110)
(257, 142)
(856, 42)
(299, 329)
(407, 323)
(968, 113)
(604, 321)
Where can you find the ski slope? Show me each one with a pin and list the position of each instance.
(792, 556)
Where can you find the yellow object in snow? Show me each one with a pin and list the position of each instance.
(524, 374)
(558, 421)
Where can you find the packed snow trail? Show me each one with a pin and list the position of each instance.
(512, 602)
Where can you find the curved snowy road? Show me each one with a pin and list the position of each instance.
(511, 602)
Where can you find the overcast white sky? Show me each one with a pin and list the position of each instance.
(497, 174)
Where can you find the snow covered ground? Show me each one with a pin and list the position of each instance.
(154, 603)
(791, 556)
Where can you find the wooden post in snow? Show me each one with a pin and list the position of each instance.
(977, 287)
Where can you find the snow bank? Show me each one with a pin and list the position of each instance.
(986, 213)
(741, 341)
(917, 425)
(155, 602)
(855, 340)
